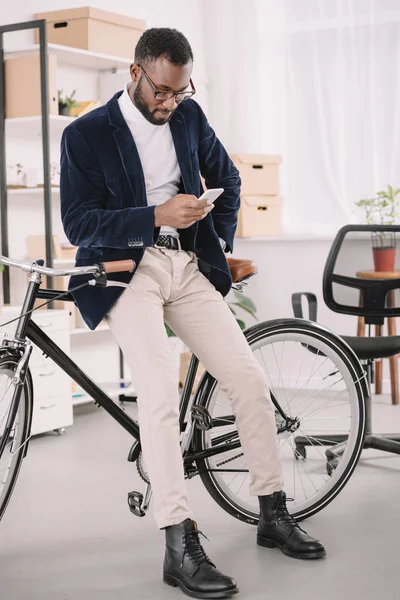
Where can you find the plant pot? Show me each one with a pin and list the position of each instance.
(63, 109)
(384, 259)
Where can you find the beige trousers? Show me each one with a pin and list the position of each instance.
(168, 286)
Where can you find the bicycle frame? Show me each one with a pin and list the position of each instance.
(29, 329)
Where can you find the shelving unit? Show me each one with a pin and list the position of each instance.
(75, 57)
(31, 127)
(37, 191)
(48, 132)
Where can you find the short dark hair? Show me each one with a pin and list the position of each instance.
(162, 41)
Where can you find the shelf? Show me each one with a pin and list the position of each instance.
(36, 191)
(85, 398)
(81, 330)
(76, 57)
(31, 127)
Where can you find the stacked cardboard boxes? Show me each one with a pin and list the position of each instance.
(261, 205)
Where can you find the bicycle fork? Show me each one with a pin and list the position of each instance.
(18, 381)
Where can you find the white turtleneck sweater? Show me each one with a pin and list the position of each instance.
(157, 154)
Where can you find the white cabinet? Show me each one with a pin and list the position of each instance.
(52, 387)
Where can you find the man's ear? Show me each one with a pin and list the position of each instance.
(135, 72)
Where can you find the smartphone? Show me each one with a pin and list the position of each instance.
(212, 194)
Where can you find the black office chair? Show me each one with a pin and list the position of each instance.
(352, 286)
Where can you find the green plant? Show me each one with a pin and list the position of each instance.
(169, 331)
(66, 101)
(244, 303)
(1, 267)
(381, 210)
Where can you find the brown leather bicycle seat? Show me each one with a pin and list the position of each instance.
(241, 269)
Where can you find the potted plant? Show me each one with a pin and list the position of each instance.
(382, 210)
(65, 103)
(244, 303)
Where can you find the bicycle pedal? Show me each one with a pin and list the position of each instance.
(135, 501)
(201, 417)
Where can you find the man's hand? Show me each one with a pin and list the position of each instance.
(181, 211)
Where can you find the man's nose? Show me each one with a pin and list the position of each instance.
(170, 104)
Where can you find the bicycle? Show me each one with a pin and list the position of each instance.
(325, 393)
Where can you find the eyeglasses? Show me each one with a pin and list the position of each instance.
(167, 95)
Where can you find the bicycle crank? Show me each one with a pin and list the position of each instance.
(139, 505)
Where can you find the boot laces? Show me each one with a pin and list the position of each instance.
(193, 548)
(282, 512)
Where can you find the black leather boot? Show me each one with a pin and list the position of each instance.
(277, 528)
(187, 565)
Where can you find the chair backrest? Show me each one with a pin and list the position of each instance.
(351, 283)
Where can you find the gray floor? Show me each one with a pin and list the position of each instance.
(68, 534)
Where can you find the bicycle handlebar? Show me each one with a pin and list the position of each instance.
(115, 266)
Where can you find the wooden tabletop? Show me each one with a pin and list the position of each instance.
(378, 274)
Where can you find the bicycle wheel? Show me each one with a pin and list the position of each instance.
(319, 385)
(15, 444)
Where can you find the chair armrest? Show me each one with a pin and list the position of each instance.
(312, 305)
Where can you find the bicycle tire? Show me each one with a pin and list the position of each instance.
(207, 386)
(9, 362)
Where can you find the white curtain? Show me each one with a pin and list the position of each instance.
(330, 82)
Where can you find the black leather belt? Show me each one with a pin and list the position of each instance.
(167, 241)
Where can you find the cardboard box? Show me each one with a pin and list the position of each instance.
(22, 86)
(36, 248)
(93, 29)
(260, 216)
(259, 173)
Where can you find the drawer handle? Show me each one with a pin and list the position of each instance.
(60, 25)
(47, 407)
(44, 325)
(46, 374)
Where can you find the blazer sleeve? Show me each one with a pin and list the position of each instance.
(86, 220)
(219, 171)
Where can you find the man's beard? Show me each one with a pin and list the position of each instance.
(142, 107)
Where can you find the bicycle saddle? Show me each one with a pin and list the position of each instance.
(241, 269)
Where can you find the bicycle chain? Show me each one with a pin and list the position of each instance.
(230, 459)
(141, 470)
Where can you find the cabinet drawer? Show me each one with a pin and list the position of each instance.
(51, 320)
(49, 381)
(52, 413)
(61, 338)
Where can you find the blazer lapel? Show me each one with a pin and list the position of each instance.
(182, 148)
(127, 151)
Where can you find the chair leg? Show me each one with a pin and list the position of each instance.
(394, 379)
(360, 327)
(394, 375)
(378, 366)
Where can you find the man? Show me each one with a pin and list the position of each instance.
(129, 187)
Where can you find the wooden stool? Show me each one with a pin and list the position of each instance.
(394, 377)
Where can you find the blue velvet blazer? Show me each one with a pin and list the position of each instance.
(103, 198)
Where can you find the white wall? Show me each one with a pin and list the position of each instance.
(225, 61)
